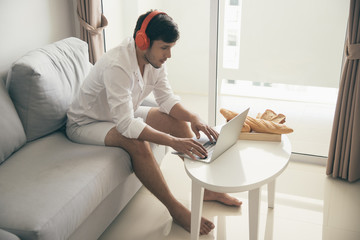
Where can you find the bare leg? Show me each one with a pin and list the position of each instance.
(149, 173)
(165, 123)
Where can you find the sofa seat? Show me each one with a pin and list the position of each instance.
(50, 187)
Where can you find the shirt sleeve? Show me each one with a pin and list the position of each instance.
(163, 93)
(118, 86)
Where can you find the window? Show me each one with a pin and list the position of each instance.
(286, 56)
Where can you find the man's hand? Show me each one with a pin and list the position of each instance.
(189, 146)
(197, 125)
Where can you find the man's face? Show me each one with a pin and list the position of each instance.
(158, 53)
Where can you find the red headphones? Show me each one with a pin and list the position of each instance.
(141, 39)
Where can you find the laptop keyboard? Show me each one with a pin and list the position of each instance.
(209, 146)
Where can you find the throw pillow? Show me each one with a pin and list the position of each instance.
(43, 82)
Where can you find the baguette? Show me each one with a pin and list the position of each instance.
(280, 118)
(265, 126)
(230, 115)
(268, 115)
(246, 128)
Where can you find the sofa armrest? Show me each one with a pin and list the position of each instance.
(8, 236)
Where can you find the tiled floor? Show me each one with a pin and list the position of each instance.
(308, 205)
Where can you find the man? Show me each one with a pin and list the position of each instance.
(107, 110)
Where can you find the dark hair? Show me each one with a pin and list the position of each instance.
(161, 27)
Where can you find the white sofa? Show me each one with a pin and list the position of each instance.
(52, 188)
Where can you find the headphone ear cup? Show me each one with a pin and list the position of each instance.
(142, 40)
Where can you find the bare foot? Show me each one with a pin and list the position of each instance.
(182, 216)
(222, 198)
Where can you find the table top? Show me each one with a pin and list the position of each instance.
(245, 166)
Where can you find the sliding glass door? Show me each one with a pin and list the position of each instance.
(281, 55)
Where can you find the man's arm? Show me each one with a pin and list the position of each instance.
(185, 145)
(179, 112)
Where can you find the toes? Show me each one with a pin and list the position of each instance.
(206, 226)
(210, 225)
(235, 202)
(204, 230)
(228, 200)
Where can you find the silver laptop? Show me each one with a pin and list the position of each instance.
(228, 136)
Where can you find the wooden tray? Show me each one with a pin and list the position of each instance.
(260, 136)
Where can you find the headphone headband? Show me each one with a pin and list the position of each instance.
(141, 39)
(148, 18)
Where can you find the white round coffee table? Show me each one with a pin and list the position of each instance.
(246, 166)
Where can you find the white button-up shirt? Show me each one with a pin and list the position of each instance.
(114, 89)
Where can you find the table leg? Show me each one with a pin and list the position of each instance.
(271, 194)
(197, 197)
(254, 213)
(221, 227)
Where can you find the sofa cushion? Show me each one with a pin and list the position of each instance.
(12, 135)
(4, 235)
(43, 82)
(52, 185)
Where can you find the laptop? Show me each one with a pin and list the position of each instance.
(228, 136)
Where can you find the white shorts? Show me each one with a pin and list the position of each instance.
(94, 133)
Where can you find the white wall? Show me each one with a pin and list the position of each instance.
(26, 25)
(122, 16)
(188, 67)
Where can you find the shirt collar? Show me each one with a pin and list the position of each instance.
(132, 54)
